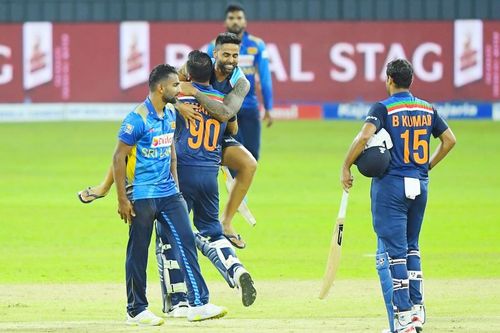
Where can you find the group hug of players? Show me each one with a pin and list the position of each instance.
(177, 139)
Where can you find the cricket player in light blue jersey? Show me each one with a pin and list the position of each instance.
(144, 169)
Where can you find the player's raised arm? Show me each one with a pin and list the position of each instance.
(221, 111)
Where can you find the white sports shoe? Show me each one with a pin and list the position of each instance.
(418, 317)
(204, 312)
(403, 322)
(178, 311)
(245, 283)
(145, 318)
(410, 329)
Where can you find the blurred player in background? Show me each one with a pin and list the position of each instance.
(198, 148)
(399, 197)
(144, 166)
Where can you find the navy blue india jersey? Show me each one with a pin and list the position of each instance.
(410, 122)
(200, 144)
(148, 164)
(225, 86)
(254, 61)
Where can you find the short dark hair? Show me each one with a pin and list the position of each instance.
(401, 72)
(227, 38)
(234, 7)
(199, 66)
(159, 73)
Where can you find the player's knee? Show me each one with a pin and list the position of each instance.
(251, 166)
(248, 165)
(382, 261)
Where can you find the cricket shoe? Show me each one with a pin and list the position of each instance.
(409, 329)
(145, 318)
(403, 322)
(205, 312)
(245, 283)
(178, 311)
(418, 317)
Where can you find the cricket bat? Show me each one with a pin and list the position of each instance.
(333, 261)
(243, 208)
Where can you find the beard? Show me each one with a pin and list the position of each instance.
(235, 29)
(171, 100)
(221, 66)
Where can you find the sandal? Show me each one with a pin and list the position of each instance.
(89, 194)
(236, 241)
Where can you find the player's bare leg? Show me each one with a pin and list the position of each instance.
(92, 193)
(238, 159)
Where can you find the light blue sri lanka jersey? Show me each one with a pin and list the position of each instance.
(254, 61)
(410, 121)
(200, 144)
(148, 164)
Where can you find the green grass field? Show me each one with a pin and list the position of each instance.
(62, 262)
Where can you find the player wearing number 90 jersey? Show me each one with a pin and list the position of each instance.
(200, 143)
(198, 149)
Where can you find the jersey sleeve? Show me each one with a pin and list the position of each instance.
(439, 125)
(210, 48)
(376, 115)
(132, 129)
(262, 64)
(237, 74)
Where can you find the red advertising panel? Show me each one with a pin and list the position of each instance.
(11, 76)
(310, 62)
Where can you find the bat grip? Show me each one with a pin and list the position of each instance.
(343, 204)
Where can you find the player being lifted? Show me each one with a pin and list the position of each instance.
(228, 79)
(399, 196)
(198, 147)
(234, 155)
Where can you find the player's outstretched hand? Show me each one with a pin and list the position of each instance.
(126, 211)
(188, 112)
(188, 89)
(346, 179)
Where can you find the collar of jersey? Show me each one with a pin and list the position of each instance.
(202, 86)
(151, 109)
(402, 94)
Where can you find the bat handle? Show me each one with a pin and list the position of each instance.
(343, 204)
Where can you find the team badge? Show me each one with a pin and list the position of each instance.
(252, 50)
(129, 128)
(172, 125)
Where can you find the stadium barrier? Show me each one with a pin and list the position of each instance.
(38, 112)
(320, 70)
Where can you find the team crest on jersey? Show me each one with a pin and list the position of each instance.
(129, 128)
(172, 125)
(252, 50)
(164, 140)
